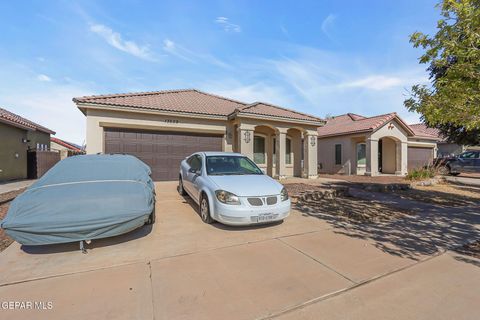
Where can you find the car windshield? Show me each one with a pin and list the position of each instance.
(231, 165)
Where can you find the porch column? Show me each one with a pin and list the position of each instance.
(245, 141)
(372, 157)
(310, 162)
(281, 138)
(401, 157)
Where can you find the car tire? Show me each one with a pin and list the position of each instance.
(444, 170)
(180, 187)
(205, 210)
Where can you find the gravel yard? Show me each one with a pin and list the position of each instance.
(343, 206)
(443, 194)
(5, 200)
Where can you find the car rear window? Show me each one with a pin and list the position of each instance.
(231, 165)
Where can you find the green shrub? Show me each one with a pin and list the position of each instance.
(421, 173)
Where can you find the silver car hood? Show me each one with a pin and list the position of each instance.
(248, 185)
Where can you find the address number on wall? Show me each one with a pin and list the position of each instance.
(171, 121)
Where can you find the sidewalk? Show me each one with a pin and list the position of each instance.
(14, 185)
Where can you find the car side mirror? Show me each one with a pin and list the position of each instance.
(194, 171)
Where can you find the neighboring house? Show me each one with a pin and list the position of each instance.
(162, 128)
(66, 149)
(445, 149)
(18, 135)
(384, 144)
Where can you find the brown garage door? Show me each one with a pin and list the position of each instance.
(162, 151)
(419, 157)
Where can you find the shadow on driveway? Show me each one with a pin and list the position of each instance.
(430, 229)
(96, 243)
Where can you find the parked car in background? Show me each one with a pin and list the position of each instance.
(83, 198)
(466, 162)
(231, 189)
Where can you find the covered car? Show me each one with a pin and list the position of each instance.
(83, 198)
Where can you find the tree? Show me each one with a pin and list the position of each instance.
(451, 102)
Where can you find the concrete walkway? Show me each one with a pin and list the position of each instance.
(466, 180)
(14, 185)
(307, 267)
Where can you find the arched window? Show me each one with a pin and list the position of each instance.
(259, 149)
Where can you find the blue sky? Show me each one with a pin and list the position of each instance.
(319, 57)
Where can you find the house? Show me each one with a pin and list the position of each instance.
(162, 128)
(383, 144)
(66, 149)
(445, 148)
(19, 135)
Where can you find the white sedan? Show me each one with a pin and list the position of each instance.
(231, 189)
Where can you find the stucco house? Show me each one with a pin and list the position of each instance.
(444, 148)
(65, 148)
(18, 136)
(383, 144)
(162, 128)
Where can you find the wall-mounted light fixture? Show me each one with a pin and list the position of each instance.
(312, 141)
(24, 140)
(246, 137)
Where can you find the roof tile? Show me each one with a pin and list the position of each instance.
(17, 120)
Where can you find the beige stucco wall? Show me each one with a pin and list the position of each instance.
(326, 155)
(61, 149)
(232, 130)
(389, 156)
(99, 119)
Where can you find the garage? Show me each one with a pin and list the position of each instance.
(162, 151)
(418, 157)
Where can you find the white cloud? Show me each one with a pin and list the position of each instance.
(375, 82)
(115, 40)
(181, 52)
(248, 93)
(171, 47)
(328, 23)
(43, 77)
(227, 25)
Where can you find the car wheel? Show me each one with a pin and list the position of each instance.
(443, 170)
(180, 187)
(205, 210)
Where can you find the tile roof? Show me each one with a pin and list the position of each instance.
(18, 121)
(188, 100)
(67, 144)
(421, 130)
(192, 101)
(353, 123)
(265, 109)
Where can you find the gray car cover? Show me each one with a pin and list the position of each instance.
(83, 198)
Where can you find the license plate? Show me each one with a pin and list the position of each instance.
(266, 217)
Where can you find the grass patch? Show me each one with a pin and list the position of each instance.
(421, 174)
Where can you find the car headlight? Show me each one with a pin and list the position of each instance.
(284, 195)
(227, 197)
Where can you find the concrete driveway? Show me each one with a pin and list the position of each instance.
(184, 269)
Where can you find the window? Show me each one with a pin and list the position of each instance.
(231, 165)
(195, 162)
(361, 154)
(338, 154)
(259, 149)
(469, 155)
(288, 151)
